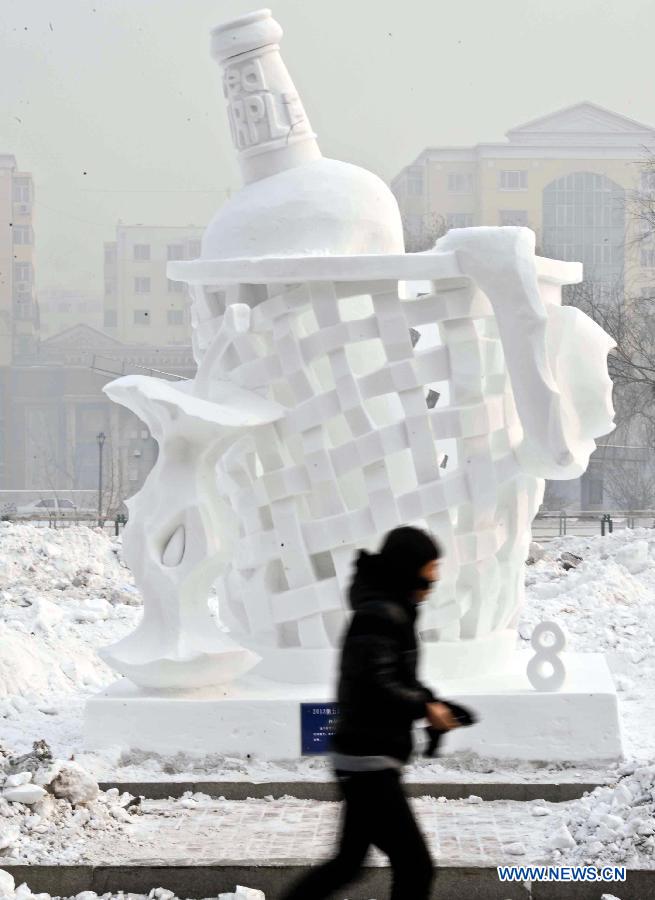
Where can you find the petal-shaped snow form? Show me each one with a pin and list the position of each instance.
(548, 375)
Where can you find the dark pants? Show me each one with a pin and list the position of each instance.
(376, 812)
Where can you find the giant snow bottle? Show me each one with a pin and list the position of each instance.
(295, 202)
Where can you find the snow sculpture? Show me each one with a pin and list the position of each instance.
(321, 417)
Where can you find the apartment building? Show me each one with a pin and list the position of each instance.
(574, 177)
(141, 305)
(570, 176)
(19, 314)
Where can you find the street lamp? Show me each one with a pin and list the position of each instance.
(101, 438)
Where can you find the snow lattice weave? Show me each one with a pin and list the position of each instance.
(357, 453)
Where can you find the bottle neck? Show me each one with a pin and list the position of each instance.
(270, 128)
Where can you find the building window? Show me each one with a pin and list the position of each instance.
(109, 286)
(175, 287)
(22, 234)
(22, 190)
(513, 217)
(111, 318)
(23, 272)
(141, 285)
(142, 317)
(142, 251)
(460, 182)
(175, 251)
(23, 307)
(600, 293)
(415, 184)
(595, 490)
(64, 306)
(110, 254)
(584, 220)
(459, 220)
(510, 180)
(194, 249)
(23, 345)
(176, 317)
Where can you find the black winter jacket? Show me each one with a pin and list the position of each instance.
(379, 694)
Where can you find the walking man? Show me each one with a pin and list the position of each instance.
(380, 698)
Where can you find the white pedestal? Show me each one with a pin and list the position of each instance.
(262, 718)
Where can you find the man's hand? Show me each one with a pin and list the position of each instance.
(440, 716)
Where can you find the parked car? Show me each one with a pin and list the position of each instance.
(8, 511)
(55, 508)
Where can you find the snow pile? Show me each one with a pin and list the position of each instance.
(245, 893)
(9, 890)
(606, 602)
(48, 807)
(612, 824)
(63, 593)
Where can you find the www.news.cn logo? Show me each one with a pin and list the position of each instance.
(561, 873)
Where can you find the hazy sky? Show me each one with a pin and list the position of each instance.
(115, 105)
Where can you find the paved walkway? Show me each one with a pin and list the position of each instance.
(292, 832)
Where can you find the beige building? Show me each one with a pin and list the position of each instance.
(61, 309)
(19, 311)
(574, 177)
(141, 305)
(19, 314)
(569, 176)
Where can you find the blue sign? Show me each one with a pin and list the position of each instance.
(317, 724)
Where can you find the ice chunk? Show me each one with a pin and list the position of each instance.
(24, 793)
(74, 784)
(7, 884)
(633, 556)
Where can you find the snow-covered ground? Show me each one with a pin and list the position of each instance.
(64, 593)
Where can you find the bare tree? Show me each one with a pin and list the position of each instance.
(114, 491)
(641, 203)
(431, 228)
(554, 500)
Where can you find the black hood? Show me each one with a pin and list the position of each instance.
(369, 582)
(393, 573)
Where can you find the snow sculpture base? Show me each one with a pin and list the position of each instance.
(444, 660)
(262, 718)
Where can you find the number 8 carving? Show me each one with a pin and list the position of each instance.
(548, 641)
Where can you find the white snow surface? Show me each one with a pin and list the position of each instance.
(65, 592)
(606, 604)
(615, 823)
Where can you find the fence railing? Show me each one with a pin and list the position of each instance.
(113, 526)
(60, 508)
(586, 523)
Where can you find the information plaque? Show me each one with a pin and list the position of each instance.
(317, 724)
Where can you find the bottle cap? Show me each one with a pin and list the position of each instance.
(251, 32)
